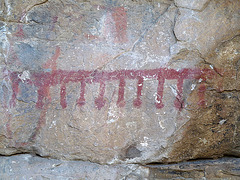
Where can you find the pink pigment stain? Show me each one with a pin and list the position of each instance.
(201, 94)
(119, 16)
(20, 32)
(114, 26)
(52, 62)
(54, 21)
(44, 80)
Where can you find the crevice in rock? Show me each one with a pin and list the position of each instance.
(174, 24)
(33, 6)
(16, 154)
(181, 166)
(225, 90)
(230, 174)
(142, 36)
(208, 63)
(146, 30)
(152, 164)
(12, 21)
(30, 8)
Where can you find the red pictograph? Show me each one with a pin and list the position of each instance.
(44, 80)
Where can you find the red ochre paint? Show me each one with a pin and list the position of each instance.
(114, 25)
(119, 16)
(44, 80)
(41, 121)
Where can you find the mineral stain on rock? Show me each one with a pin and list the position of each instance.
(132, 152)
(211, 132)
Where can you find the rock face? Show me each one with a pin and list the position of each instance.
(120, 81)
(43, 168)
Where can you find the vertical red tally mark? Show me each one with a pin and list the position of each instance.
(138, 102)
(43, 94)
(120, 18)
(81, 100)
(121, 101)
(100, 101)
(201, 95)
(63, 93)
(204, 75)
(161, 80)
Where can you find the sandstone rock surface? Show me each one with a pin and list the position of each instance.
(120, 81)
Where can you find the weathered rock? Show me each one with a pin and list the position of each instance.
(224, 168)
(218, 22)
(120, 81)
(43, 168)
(194, 5)
(216, 124)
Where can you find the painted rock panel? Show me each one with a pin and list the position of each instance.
(119, 81)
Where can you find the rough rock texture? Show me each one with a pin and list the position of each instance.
(197, 5)
(120, 81)
(205, 30)
(223, 168)
(43, 168)
(216, 125)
